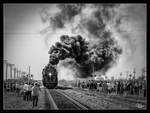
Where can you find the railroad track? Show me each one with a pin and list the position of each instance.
(60, 101)
(63, 101)
(131, 103)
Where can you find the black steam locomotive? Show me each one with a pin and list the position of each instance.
(77, 48)
(50, 79)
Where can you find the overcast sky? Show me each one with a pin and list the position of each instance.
(24, 45)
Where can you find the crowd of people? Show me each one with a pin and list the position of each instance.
(117, 87)
(29, 91)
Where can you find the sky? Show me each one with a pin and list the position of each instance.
(25, 46)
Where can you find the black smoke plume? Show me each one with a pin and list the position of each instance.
(87, 56)
(101, 56)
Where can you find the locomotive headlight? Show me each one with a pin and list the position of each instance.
(50, 74)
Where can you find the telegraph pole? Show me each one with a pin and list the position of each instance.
(6, 70)
(127, 74)
(11, 65)
(121, 75)
(15, 73)
(134, 72)
(93, 70)
(19, 74)
(5, 61)
(29, 75)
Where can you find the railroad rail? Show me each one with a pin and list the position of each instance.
(131, 103)
(60, 101)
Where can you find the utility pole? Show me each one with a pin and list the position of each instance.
(134, 72)
(15, 73)
(127, 72)
(29, 75)
(6, 70)
(121, 75)
(19, 72)
(11, 65)
(93, 70)
(6, 63)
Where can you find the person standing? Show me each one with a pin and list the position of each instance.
(35, 94)
(5, 88)
(11, 87)
(17, 89)
(14, 87)
(25, 89)
(8, 87)
(109, 88)
(29, 91)
(118, 88)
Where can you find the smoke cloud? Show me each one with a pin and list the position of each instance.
(102, 28)
(101, 56)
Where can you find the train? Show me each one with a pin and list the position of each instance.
(50, 79)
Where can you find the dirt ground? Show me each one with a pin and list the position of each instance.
(12, 102)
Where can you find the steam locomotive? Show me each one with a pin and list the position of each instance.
(78, 49)
(50, 79)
